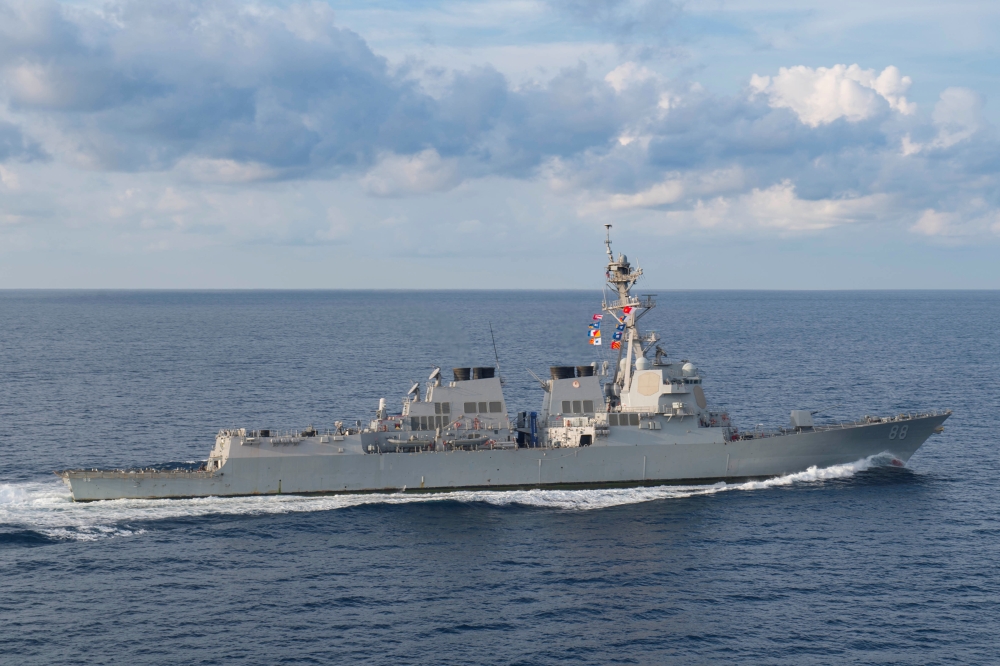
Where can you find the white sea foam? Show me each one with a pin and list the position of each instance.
(48, 509)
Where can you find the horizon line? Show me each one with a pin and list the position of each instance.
(472, 290)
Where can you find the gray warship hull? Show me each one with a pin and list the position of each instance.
(627, 456)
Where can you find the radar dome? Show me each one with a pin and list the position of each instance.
(641, 363)
(689, 370)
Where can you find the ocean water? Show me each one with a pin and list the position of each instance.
(859, 563)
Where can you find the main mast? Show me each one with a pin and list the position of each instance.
(627, 310)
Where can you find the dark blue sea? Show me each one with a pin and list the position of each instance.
(861, 563)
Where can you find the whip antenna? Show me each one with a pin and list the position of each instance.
(495, 355)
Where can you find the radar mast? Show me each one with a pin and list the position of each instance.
(627, 310)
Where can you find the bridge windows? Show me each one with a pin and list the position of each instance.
(577, 406)
(428, 422)
(495, 407)
(623, 419)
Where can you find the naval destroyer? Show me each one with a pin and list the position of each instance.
(641, 420)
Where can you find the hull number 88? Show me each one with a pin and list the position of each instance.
(898, 432)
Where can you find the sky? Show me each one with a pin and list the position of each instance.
(745, 144)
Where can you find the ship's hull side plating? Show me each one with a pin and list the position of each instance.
(604, 464)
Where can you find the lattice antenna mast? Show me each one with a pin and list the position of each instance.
(621, 277)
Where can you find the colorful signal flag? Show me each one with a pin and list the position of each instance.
(597, 342)
(616, 345)
(598, 317)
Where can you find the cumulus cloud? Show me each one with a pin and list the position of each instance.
(825, 94)
(975, 218)
(628, 74)
(9, 179)
(397, 175)
(934, 223)
(777, 208)
(146, 85)
(959, 112)
(221, 93)
(677, 187)
(957, 116)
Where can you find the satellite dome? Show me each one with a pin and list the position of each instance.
(689, 369)
(641, 363)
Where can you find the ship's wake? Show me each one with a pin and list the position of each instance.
(45, 510)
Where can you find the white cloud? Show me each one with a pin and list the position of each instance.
(31, 84)
(628, 74)
(718, 200)
(974, 219)
(246, 119)
(398, 175)
(339, 226)
(825, 94)
(676, 188)
(934, 223)
(668, 192)
(909, 146)
(778, 208)
(9, 179)
(172, 202)
(225, 170)
(957, 116)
